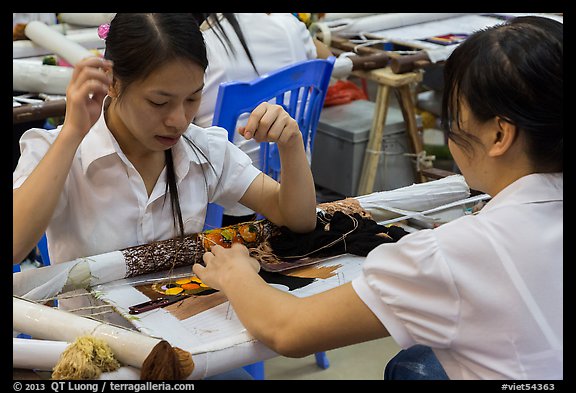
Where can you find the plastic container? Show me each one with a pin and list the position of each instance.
(340, 145)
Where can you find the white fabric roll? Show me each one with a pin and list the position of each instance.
(86, 18)
(40, 78)
(43, 322)
(43, 35)
(378, 22)
(88, 38)
(342, 67)
(35, 354)
(384, 205)
(49, 281)
(43, 355)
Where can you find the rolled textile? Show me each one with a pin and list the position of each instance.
(348, 27)
(342, 67)
(385, 205)
(40, 78)
(43, 355)
(87, 37)
(35, 354)
(49, 281)
(130, 347)
(85, 18)
(43, 35)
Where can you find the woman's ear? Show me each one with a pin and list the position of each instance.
(504, 136)
(113, 89)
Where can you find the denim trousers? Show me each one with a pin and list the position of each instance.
(415, 363)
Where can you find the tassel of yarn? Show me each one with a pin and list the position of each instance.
(85, 358)
(167, 363)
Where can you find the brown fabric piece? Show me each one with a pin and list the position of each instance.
(18, 32)
(186, 362)
(163, 363)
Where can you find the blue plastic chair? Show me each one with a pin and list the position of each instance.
(43, 248)
(300, 88)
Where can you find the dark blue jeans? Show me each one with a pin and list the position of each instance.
(415, 363)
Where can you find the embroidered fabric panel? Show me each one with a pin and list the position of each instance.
(162, 255)
(256, 235)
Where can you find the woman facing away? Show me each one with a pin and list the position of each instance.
(480, 297)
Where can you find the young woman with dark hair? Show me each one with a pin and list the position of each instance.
(128, 167)
(480, 297)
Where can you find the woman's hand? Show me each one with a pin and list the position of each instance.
(85, 94)
(290, 202)
(271, 123)
(223, 264)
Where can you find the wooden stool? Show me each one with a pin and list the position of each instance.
(386, 80)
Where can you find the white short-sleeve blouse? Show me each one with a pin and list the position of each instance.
(484, 291)
(104, 205)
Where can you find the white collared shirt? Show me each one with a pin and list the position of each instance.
(484, 291)
(104, 205)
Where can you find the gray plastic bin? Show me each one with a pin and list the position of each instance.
(340, 144)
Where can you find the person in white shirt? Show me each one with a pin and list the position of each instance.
(480, 297)
(128, 167)
(242, 47)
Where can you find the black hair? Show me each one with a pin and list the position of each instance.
(513, 70)
(213, 21)
(140, 43)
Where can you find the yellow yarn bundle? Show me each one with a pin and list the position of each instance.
(85, 358)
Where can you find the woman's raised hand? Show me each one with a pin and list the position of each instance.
(271, 123)
(85, 94)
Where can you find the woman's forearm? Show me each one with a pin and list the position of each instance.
(297, 198)
(262, 309)
(291, 326)
(35, 200)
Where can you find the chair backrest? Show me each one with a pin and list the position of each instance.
(300, 88)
